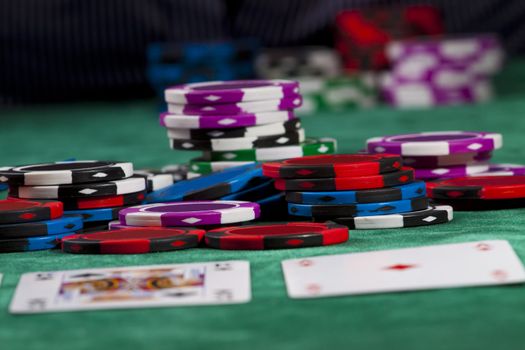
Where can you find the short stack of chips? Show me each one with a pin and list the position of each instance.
(357, 190)
(238, 122)
(362, 34)
(436, 71)
(319, 71)
(27, 225)
(175, 63)
(95, 190)
(442, 154)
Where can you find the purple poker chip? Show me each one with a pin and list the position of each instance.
(450, 172)
(438, 143)
(447, 161)
(481, 53)
(283, 104)
(190, 213)
(223, 121)
(503, 170)
(417, 94)
(234, 91)
(445, 76)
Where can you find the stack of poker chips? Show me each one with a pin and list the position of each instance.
(444, 154)
(435, 71)
(30, 225)
(95, 190)
(357, 190)
(175, 63)
(238, 122)
(362, 34)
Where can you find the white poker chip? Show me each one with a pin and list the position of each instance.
(156, 180)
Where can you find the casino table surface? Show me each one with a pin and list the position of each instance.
(465, 318)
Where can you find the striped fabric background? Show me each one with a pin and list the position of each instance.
(62, 50)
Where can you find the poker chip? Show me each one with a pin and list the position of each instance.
(483, 187)
(230, 91)
(259, 189)
(104, 201)
(273, 207)
(13, 211)
(445, 161)
(155, 179)
(435, 143)
(191, 213)
(95, 189)
(283, 104)
(311, 146)
(452, 171)
(95, 215)
(64, 173)
(405, 175)
(433, 215)
(116, 225)
(177, 171)
(368, 209)
(240, 143)
(411, 190)
(13, 245)
(182, 121)
(483, 204)
(250, 131)
(338, 165)
(503, 170)
(212, 186)
(200, 166)
(133, 241)
(276, 236)
(67, 223)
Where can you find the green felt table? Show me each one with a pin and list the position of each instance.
(466, 318)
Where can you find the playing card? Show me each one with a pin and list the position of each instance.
(439, 266)
(225, 282)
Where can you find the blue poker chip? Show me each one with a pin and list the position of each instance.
(409, 191)
(32, 243)
(65, 224)
(351, 210)
(3, 187)
(208, 187)
(94, 215)
(260, 188)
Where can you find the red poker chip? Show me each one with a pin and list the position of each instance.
(104, 201)
(277, 236)
(478, 187)
(133, 240)
(404, 176)
(15, 211)
(334, 165)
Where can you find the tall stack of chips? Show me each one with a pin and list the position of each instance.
(358, 190)
(441, 154)
(319, 71)
(30, 225)
(435, 71)
(238, 122)
(95, 190)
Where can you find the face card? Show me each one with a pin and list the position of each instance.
(440, 266)
(224, 282)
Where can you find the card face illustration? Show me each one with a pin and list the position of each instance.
(225, 282)
(430, 267)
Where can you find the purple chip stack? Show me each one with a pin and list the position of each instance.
(437, 71)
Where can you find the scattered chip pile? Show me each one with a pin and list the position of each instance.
(436, 71)
(238, 122)
(357, 190)
(30, 225)
(191, 62)
(444, 154)
(95, 190)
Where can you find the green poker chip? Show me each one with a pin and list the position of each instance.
(310, 147)
(202, 166)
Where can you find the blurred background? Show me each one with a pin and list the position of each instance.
(69, 50)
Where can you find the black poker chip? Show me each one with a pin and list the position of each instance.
(276, 236)
(68, 172)
(133, 240)
(13, 211)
